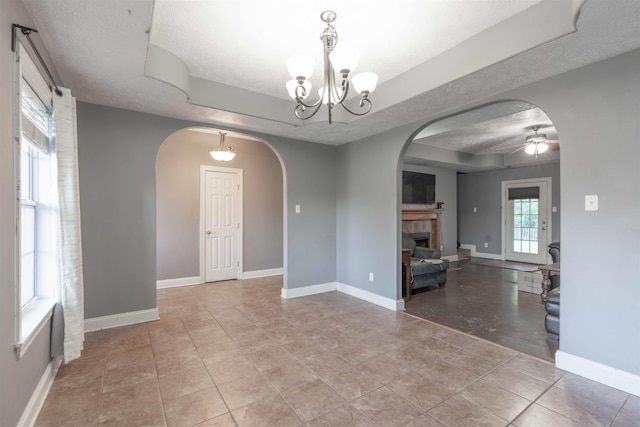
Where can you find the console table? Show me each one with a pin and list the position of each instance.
(406, 260)
(547, 271)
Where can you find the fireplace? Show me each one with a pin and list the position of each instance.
(422, 239)
(423, 224)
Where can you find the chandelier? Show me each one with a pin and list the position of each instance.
(536, 143)
(221, 153)
(336, 59)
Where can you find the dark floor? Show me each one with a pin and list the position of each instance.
(484, 301)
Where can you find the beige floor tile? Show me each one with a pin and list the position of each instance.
(539, 416)
(150, 414)
(592, 390)
(129, 341)
(517, 382)
(420, 391)
(243, 391)
(344, 416)
(579, 408)
(184, 382)
(88, 418)
(220, 350)
(228, 370)
(472, 363)
(384, 369)
(447, 375)
(313, 399)
(457, 411)
(176, 362)
(202, 338)
(490, 351)
(126, 356)
(254, 342)
(271, 411)
(194, 408)
(629, 415)
(352, 384)
(425, 420)
(128, 399)
(327, 363)
(127, 375)
(270, 357)
(531, 366)
(225, 420)
(386, 408)
(494, 399)
(289, 375)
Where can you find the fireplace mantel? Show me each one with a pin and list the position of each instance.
(431, 215)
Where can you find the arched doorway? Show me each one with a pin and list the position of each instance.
(182, 160)
(472, 155)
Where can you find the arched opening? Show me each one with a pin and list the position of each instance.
(490, 211)
(256, 217)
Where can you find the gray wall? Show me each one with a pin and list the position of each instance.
(483, 190)
(596, 111)
(178, 202)
(446, 190)
(18, 379)
(117, 151)
(368, 205)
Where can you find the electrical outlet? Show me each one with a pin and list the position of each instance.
(297, 208)
(486, 245)
(371, 277)
(475, 209)
(591, 202)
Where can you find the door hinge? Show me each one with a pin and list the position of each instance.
(238, 263)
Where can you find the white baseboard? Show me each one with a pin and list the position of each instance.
(181, 281)
(121, 319)
(391, 304)
(604, 374)
(308, 290)
(474, 253)
(39, 395)
(451, 257)
(256, 274)
(388, 303)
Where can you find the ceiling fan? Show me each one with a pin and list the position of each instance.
(537, 143)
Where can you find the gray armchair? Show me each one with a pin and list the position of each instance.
(427, 269)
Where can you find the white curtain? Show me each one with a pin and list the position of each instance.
(71, 285)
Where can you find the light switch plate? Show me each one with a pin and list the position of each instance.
(297, 208)
(591, 202)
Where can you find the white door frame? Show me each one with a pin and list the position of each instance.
(505, 202)
(238, 173)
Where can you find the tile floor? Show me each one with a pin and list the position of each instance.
(236, 354)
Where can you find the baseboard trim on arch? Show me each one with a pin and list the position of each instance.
(256, 274)
(604, 374)
(180, 281)
(388, 303)
(39, 395)
(121, 319)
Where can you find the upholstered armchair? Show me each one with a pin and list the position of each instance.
(427, 269)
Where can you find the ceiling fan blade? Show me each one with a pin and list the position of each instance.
(552, 141)
(517, 149)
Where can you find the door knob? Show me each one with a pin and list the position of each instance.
(208, 231)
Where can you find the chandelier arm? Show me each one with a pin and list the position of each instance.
(363, 101)
(301, 108)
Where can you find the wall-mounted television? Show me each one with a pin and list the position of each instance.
(418, 188)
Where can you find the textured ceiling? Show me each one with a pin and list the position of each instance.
(433, 57)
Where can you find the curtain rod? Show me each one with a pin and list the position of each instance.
(26, 31)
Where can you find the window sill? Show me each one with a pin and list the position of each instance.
(34, 318)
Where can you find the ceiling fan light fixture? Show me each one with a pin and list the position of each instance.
(221, 153)
(530, 149)
(542, 147)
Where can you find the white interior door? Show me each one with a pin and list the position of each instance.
(221, 226)
(527, 220)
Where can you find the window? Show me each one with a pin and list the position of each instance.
(37, 274)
